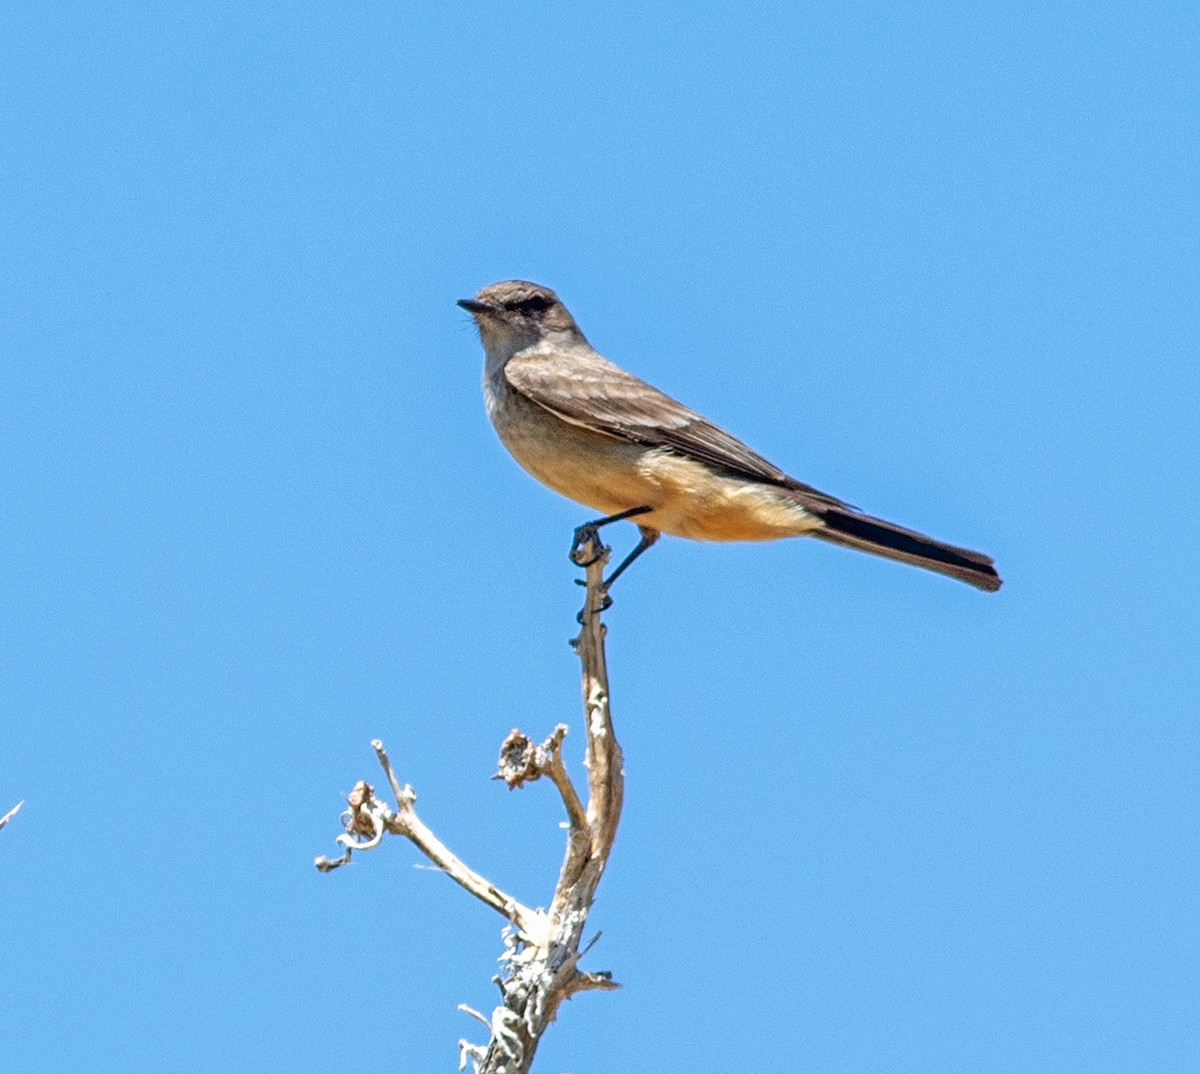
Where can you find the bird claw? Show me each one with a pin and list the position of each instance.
(605, 603)
(587, 547)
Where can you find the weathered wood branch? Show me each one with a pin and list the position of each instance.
(542, 947)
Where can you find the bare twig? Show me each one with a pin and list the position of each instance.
(542, 948)
(557, 771)
(370, 816)
(13, 812)
(474, 1014)
(386, 765)
(522, 762)
(408, 824)
(585, 982)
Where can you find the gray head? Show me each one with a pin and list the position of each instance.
(516, 313)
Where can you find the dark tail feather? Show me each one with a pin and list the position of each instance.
(885, 539)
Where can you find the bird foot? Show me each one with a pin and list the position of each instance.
(605, 604)
(587, 547)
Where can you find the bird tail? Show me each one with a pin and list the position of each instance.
(848, 528)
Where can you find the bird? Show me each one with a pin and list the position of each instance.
(603, 437)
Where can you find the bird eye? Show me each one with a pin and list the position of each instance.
(533, 304)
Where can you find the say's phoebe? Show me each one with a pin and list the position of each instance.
(603, 437)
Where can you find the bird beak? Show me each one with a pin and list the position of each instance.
(476, 308)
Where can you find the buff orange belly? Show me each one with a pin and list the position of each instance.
(688, 499)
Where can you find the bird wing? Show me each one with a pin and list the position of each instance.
(603, 398)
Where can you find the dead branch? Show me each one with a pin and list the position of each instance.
(542, 948)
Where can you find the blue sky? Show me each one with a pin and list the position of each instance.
(939, 262)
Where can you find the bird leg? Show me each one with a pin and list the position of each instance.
(649, 537)
(591, 544)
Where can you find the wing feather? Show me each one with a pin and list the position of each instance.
(604, 398)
